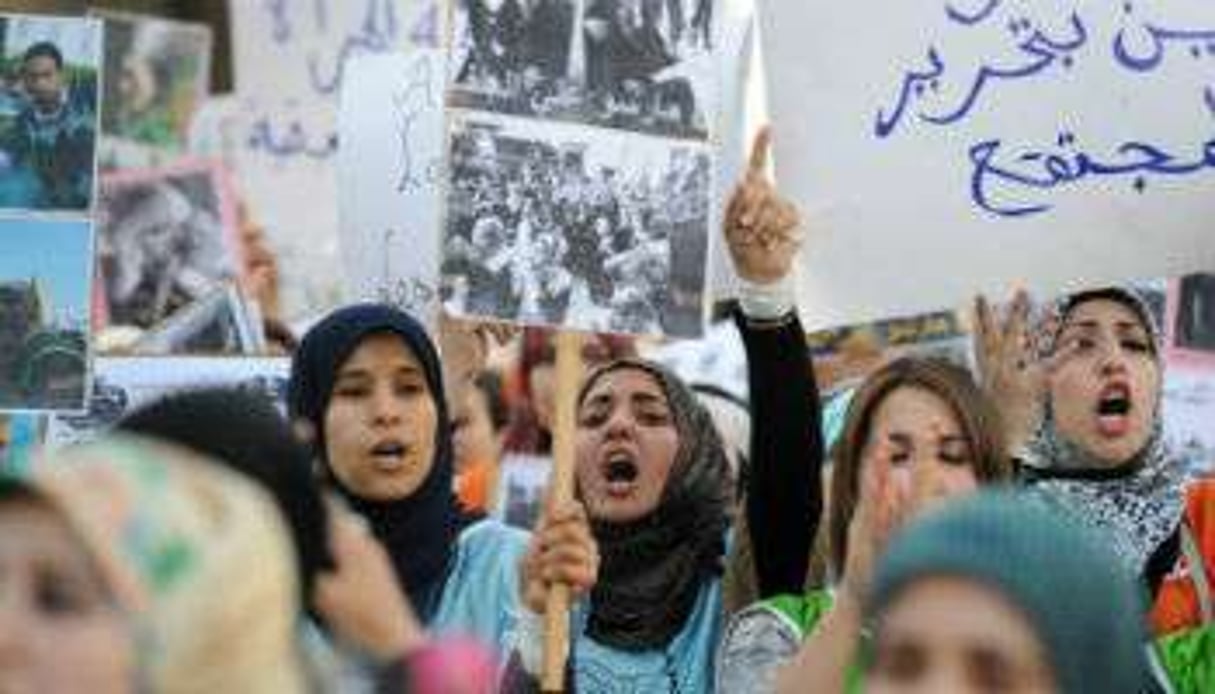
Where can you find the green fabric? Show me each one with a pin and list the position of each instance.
(1189, 659)
(804, 613)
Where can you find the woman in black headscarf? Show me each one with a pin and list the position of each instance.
(652, 474)
(368, 382)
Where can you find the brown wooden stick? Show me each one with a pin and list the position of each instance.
(561, 491)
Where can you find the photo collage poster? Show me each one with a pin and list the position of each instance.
(159, 77)
(580, 160)
(166, 239)
(50, 86)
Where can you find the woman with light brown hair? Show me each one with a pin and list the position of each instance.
(919, 431)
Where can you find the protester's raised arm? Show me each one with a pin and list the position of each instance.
(784, 489)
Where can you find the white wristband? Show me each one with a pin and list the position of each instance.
(766, 301)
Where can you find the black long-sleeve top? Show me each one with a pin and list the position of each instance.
(784, 501)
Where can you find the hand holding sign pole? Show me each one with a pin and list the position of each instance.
(561, 493)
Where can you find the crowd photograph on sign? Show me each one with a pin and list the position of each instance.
(641, 65)
(562, 227)
(606, 346)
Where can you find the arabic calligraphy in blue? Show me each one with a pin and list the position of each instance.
(1008, 181)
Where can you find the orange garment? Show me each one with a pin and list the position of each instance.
(1177, 605)
(475, 486)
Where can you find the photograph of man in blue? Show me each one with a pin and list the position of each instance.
(48, 125)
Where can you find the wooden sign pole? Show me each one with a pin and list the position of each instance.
(561, 490)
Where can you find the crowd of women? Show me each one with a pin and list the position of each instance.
(1020, 529)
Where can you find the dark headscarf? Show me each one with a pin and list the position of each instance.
(653, 568)
(243, 430)
(1141, 501)
(419, 532)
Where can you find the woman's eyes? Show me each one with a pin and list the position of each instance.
(1136, 345)
(592, 417)
(352, 391)
(57, 595)
(1081, 344)
(654, 417)
(410, 388)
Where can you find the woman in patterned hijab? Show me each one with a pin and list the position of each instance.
(194, 555)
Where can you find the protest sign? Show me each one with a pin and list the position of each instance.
(940, 148)
(166, 238)
(291, 58)
(390, 179)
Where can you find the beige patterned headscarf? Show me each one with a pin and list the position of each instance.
(199, 557)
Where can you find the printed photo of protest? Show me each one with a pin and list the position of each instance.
(547, 224)
(165, 239)
(46, 274)
(641, 65)
(158, 76)
(49, 73)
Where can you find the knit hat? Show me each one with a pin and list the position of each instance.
(196, 554)
(1082, 605)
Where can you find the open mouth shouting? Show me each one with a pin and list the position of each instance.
(1114, 405)
(620, 471)
(389, 455)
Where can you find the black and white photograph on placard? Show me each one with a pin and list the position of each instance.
(165, 240)
(642, 65)
(549, 224)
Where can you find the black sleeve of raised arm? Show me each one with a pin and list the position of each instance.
(784, 494)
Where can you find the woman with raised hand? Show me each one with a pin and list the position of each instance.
(917, 430)
(1082, 403)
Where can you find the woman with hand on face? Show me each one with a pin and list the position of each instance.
(918, 430)
(368, 382)
(1082, 406)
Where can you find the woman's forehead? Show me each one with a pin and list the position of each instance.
(1098, 312)
(622, 380)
